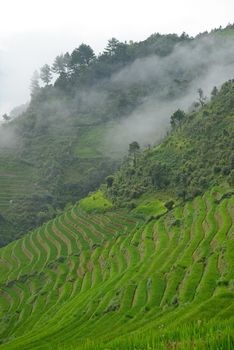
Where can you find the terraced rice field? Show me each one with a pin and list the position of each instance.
(17, 179)
(110, 281)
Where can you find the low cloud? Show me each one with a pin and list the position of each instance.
(202, 63)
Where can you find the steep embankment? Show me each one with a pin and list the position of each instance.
(101, 276)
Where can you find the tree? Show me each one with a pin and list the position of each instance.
(46, 75)
(169, 205)
(177, 118)
(34, 86)
(67, 60)
(201, 97)
(6, 117)
(61, 64)
(133, 151)
(159, 175)
(214, 92)
(110, 180)
(58, 66)
(112, 46)
(83, 55)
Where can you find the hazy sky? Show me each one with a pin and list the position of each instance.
(33, 32)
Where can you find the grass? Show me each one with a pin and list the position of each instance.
(95, 202)
(213, 335)
(97, 279)
(92, 143)
(150, 208)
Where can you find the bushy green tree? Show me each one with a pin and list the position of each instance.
(110, 180)
(214, 92)
(177, 118)
(82, 55)
(159, 175)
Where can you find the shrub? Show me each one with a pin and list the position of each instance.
(169, 205)
(226, 170)
(110, 180)
(216, 169)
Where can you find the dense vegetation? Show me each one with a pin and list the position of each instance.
(109, 281)
(57, 150)
(59, 142)
(198, 153)
(97, 277)
(146, 260)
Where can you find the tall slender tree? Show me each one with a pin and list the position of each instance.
(201, 97)
(45, 74)
(34, 86)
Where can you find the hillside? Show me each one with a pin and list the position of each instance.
(68, 140)
(117, 198)
(196, 155)
(99, 276)
(93, 279)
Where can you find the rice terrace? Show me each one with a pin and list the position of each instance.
(117, 195)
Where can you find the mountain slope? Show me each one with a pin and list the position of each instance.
(68, 140)
(146, 261)
(99, 276)
(197, 154)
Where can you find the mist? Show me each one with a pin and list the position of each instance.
(202, 63)
(8, 137)
(172, 83)
(33, 33)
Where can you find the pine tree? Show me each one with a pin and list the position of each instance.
(34, 86)
(46, 75)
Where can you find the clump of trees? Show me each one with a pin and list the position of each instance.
(188, 162)
(82, 56)
(83, 65)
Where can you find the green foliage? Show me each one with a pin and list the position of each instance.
(46, 75)
(83, 55)
(177, 118)
(95, 202)
(62, 135)
(148, 208)
(110, 281)
(190, 159)
(109, 180)
(61, 64)
(98, 278)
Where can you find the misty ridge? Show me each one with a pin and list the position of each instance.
(202, 63)
(159, 86)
